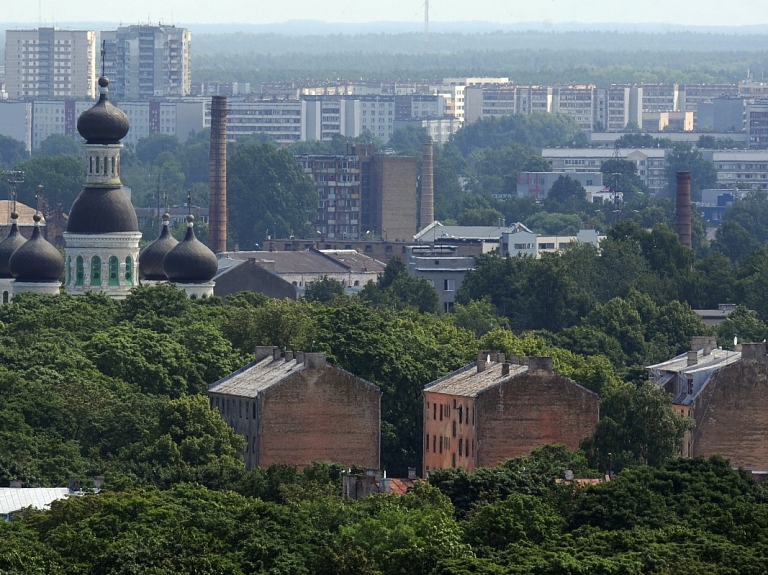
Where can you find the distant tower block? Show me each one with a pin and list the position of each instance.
(217, 196)
(427, 187)
(683, 208)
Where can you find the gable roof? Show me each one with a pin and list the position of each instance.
(14, 499)
(257, 376)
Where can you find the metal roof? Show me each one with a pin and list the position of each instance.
(14, 499)
(437, 231)
(469, 382)
(250, 380)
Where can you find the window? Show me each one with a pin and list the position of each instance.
(434, 443)
(460, 446)
(441, 412)
(128, 271)
(113, 271)
(453, 460)
(434, 411)
(5, 297)
(95, 271)
(79, 273)
(454, 429)
(449, 285)
(427, 442)
(442, 440)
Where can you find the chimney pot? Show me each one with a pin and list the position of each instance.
(276, 353)
(505, 368)
(693, 357)
(288, 356)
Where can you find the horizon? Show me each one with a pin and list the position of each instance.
(687, 13)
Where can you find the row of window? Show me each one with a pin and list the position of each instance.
(445, 411)
(445, 443)
(113, 271)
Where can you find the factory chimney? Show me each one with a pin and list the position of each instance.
(217, 177)
(427, 212)
(683, 208)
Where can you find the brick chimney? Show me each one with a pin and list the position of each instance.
(263, 351)
(314, 360)
(692, 358)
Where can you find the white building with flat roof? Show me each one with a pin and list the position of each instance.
(50, 63)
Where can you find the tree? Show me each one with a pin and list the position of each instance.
(743, 324)
(323, 290)
(268, 194)
(149, 148)
(567, 190)
(683, 158)
(11, 152)
(408, 140)
(637, 427)
(396, 288)
(59, 145)
(62, 178)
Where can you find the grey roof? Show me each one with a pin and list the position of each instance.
(307, 261)
(190, 260)
(716, 359)
(103, 123)
(151, 259)
(36, 260)
(14, 499)
(437, 231)
(354, 260)
(250, 380)
(469, 383)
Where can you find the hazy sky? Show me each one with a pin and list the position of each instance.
(184, 12)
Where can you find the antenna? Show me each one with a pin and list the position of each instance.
(189, 202)
(426, 26)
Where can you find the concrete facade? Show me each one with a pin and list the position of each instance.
(50, 63)
(492, 410)
(297, 410)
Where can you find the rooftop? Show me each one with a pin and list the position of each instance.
(257, 376)
(14, 499)
(468, 382)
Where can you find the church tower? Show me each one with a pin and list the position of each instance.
(102, 237)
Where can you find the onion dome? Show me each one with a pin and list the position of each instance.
(190, 261)
(102, 211)
(10, 244)
(36, 260)
(151, 259)
(103, 123)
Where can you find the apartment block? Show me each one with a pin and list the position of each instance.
(742, 169)
(495, 409)
(578, 102)
(650, 162)
(362, 192)
(146, 62)
(50, 63)
(378, 115)
(757, 124)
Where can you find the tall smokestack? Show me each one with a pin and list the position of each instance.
(683, 208)
(427, 212)
(217, 177)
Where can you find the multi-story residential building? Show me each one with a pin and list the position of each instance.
(378, 115)
(298, 410)
(526, 243)
(439, 129)
(16, 121)
(280, 120)
(534, 99)
(739, 169)
(757, 124)
(658, 97)
(667, 121)
(146, 61)
(613, 109)
(482, 103)
(419, 106)
(178, 119)
(364, 193)
(578, 102)
(694, 95)
(495, 409)
(325, 118)
(538, 184)
(50, 63)
(650, 162)
(442, 266)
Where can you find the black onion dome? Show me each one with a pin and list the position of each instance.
(10, 244)
(190, 261)
(36, 260)
(102, 211)
(151, 259)
(103, 123)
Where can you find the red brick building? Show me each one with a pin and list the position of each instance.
(300, 409)
(492, 410)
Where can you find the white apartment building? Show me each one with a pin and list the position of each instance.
(146, 62)
(50, 63)
(326, 117)
(756, 120)
(378, 116)
(56, 117)
(16, 121)
(526, 243)
(743, 169)
(650, 162)
(282, 121)
(578, 102)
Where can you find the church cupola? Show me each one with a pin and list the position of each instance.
(36, 265)
(191, 264)
(151, 259)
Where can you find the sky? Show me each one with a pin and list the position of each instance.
(186, 12)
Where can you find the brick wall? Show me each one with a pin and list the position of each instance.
(449, 428)
(731, 415)
(529, 411)
(322, 414)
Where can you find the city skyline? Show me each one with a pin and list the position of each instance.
(685, 13)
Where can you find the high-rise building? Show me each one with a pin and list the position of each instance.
(148, 61)
(50, 63)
